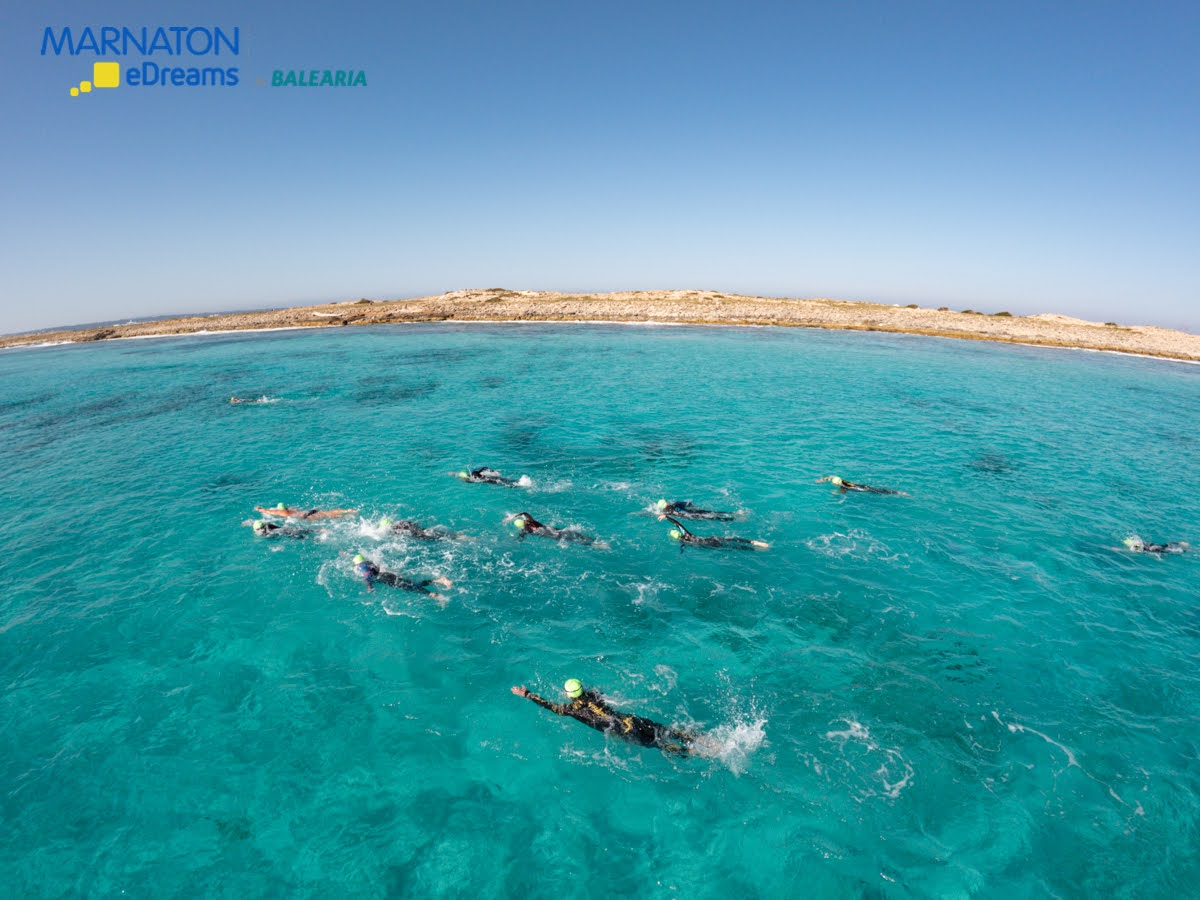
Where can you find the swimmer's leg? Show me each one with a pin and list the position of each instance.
(745, 544)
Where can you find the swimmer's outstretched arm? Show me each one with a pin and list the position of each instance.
(678, 525)
(687, 536)
(522, 691)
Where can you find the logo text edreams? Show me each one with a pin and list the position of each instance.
(172, 41)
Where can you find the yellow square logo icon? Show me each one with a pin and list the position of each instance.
(106, 74)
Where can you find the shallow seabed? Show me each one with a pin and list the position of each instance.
(966, 692)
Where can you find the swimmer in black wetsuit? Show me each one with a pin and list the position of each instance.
(686, 538)
(527, 524)
(485, 475)
(270, 529)
(371, 573)
(844, 486)
(683, 509)
(410, 529)
(1137, 545)
(591, 709)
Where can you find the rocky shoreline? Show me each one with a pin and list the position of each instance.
(685, 307)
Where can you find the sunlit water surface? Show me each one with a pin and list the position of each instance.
(963, 692)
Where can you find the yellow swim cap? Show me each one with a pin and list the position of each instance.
(281, 506)
(661, 504)
(359, 558)
(676, 534)
(573, 688)
(519, 522)
(835, 480)
(385, 522)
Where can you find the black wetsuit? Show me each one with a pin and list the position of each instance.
(590, 709)
(370, 573)
(685, 510)
(866, 488)
(725, 543)
(485, 475)
(270, 529)
(411, 529)
(1173, 547)
(568, 535)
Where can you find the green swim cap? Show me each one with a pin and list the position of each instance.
(573, 688)
(385, 522)
(676, 534)
(661, 504)
(835, 480)
(281, 506)
(359, 558)
(462, 474)
(259, 525)
(519, 522)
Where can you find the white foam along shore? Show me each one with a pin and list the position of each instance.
(663, 308)
(646, 324)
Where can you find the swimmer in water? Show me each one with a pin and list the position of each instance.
(527, 524)
(408, 528)
(590, 708)
(844, 486)
(683, 509)
(249, 399)
(485, 475)
(371, 573)
(284, 511)
(270, 529)
(687, 539)
(1137, 545)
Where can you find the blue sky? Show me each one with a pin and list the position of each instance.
(1016, 156)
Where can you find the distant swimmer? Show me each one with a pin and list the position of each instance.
(864, 488)
(527, 524)
(590, 708)
(485, 475)
(410, 529)
(1137, 545)
(371, 573)
(687, 539)
(683, 509)
(282, 510)
(270, 529)
(263, 399)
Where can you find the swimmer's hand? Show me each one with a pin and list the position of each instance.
(521, 691)
(444, 582)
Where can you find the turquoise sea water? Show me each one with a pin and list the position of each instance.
(966, 692)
